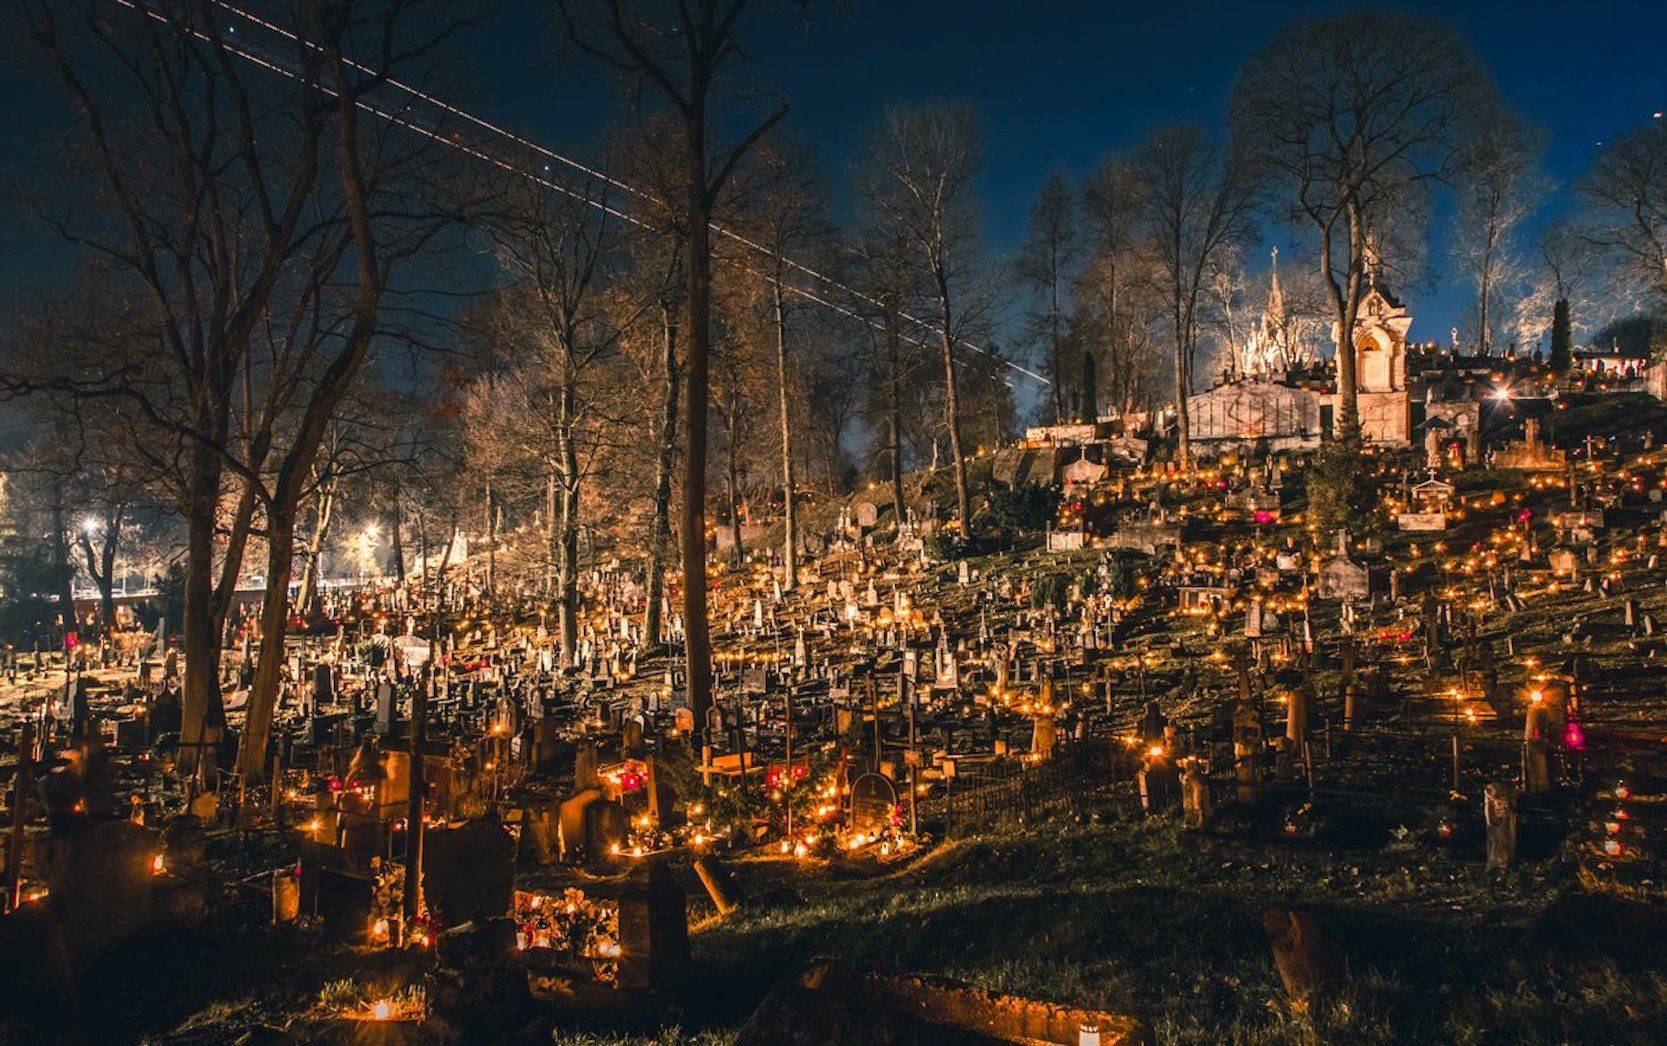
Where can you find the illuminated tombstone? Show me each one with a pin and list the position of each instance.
(1343, 578)
(1379, 340)
(362, 801)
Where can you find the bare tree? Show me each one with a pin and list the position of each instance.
(1499, 186)
(1626, 191)
(1116, 292)
(925, 160)
(1568, 269)
(557, 251)
(787, 215)
(82, 446)
(1044, 270)
(682, 52)
(236, 205)
(1197, 197)
(1352, 112)
(890, 283)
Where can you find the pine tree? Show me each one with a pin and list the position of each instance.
(1561, 358)
(1342, 487)
(1088, 408)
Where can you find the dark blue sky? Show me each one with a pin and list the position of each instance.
(1061, 84)
(1058, 84)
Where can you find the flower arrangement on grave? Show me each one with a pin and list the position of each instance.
(570, 925)
(645, 837)
(387, 902)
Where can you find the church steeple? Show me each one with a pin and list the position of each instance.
(1276, 297)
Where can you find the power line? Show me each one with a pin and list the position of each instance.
(600, 175)
(401, 120)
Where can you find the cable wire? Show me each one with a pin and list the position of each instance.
(400, 119)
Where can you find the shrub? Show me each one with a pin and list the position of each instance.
(1050, 590)
(1022, 506)
(946, 546)
(1122, 574)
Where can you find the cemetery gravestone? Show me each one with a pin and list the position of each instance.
(873, 803)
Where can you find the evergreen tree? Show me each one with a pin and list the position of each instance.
(1342, 489)
(1088, 407)
(27, 576)
(1561, 357)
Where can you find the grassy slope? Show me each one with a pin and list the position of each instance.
(1139, 917)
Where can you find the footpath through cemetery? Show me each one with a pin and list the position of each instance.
(676, 635)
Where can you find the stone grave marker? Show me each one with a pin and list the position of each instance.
(571, 820)
(384, 708)
(873, 802)
(469, 871)
(653, 930)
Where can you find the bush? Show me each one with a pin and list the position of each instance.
(1050, 590)
(28, 578)
(946, 546)
(1088, 584)
(1026, 506)
(169, 604)
(1561, 356)
(1122, 574)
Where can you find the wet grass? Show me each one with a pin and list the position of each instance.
(1140, 919)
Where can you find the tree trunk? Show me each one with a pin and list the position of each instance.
(399, 541)
(101, 566)
(732, 473)
(567, 566)
(569, 574)
(201, 715)
(306, 599)
(64, 568)
(1058, 360)
(422, 551)
(952, 408)
(1484, 339)
(269, 659)
(491, 543)
(445, 561)
(1346, 305)
(698, 273)
(894, 422)
(659, 534)
(237, 542)
(790, 511)
(1183, 386)
(551, 533)
(106, 577)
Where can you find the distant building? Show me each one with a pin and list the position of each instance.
(1294, 405)
(1613, 362)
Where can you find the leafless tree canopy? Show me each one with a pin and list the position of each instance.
(1626, 189)
(1354, 114)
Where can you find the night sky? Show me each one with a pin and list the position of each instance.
(1058, 84)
